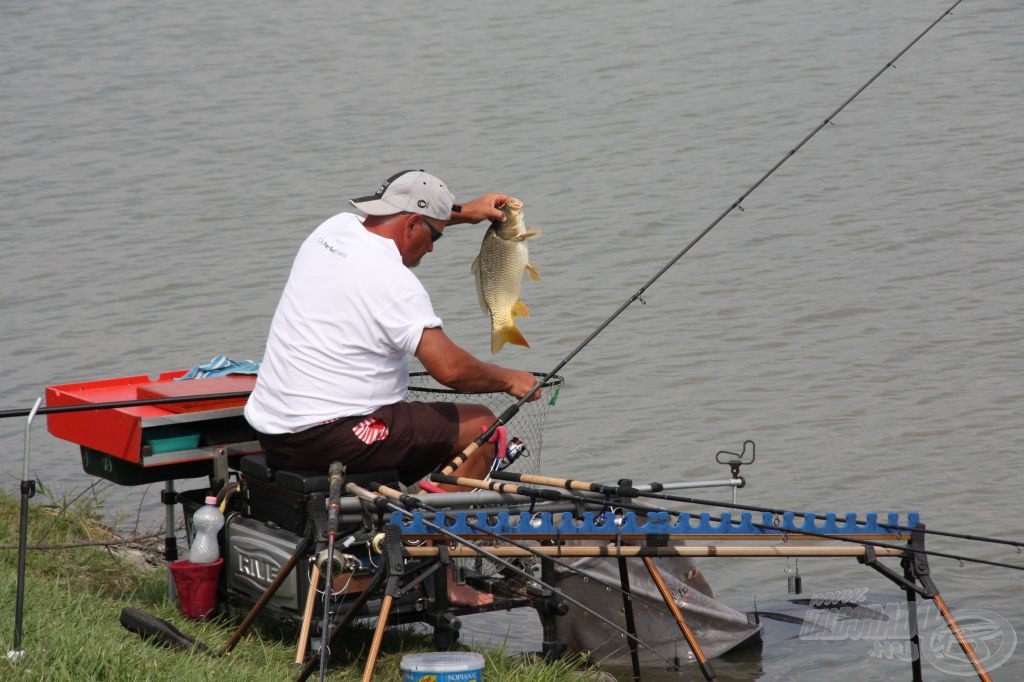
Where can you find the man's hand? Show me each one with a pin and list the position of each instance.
(520, 383)
(487, 207)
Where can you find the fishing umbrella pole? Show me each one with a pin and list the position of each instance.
(512, 410)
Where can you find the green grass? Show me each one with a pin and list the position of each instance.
(73, 599)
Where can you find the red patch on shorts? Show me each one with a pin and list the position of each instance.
(371, 430)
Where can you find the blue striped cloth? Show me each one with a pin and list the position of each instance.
(219, 366)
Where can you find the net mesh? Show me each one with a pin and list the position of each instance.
(528, 424)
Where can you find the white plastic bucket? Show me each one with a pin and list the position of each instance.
(443, 666)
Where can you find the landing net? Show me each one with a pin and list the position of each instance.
(527, 425)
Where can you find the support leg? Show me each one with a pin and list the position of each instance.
(307, 617)
(962, 640)
(913, 626)
(627, 607)
(378, 636)
(916, 567)
(549, 608)
(350, 615)
(691, 640)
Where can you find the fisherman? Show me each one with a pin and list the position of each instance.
(336, 367)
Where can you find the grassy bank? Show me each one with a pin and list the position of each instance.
(74, 596)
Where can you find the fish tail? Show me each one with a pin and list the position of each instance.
(506, 334)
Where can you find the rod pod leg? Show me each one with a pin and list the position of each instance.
(378, 636)
(339, 627)
(550, 608)
(691, 640)
(913, 626)
(915, 566)
(307, 616)
(627, 607)
(961, 639)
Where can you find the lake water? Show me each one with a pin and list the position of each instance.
(861, 319)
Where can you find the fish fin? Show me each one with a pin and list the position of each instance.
(509, 334)
(529, 234)
(480, 287)
(519, 309)
(533, 271)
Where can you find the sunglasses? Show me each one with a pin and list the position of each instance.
(435, 233)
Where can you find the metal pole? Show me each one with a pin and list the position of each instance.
(691, 639)
(28, 489)
(627, 608)
(170, 541)
(913, 626)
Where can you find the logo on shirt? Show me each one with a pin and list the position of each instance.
(327, 245)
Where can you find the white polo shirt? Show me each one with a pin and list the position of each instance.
(350, 316)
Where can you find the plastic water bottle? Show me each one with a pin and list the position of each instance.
(207, 521)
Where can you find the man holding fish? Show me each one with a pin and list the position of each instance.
(336, 367)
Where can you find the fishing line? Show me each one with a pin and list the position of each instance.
(657, 487)
(632, 492)
(512, 410)
(930, 552)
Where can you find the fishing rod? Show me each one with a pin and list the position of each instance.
(539, 493)
(658, 487)
(336, 474)
(382, 502)
(691, 640)
(58, 409)
(512, 410)
(629, 491)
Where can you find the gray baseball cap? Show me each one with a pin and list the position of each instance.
(411, 191)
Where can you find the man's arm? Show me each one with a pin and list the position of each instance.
(487, 207)
(452, 366)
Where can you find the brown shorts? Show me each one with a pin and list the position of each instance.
(411, 438)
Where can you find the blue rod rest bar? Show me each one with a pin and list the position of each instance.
(656, 523)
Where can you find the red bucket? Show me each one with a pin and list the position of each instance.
(197, 587)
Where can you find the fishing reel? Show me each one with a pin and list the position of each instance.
(340, 562)
(515, 449)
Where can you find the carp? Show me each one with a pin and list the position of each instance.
(499, 269)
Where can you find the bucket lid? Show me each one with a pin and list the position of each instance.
(442, 662)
